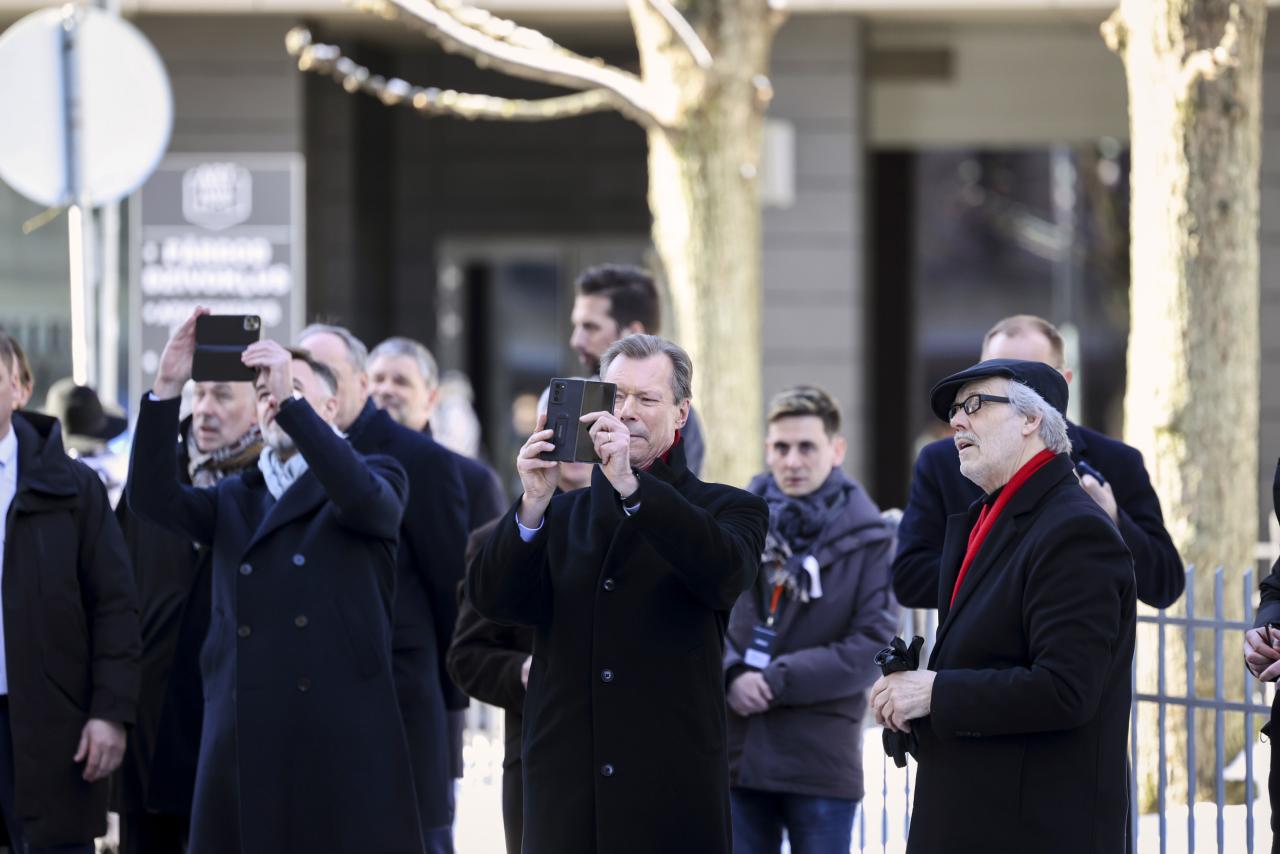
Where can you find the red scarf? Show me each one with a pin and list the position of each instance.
(991, 512)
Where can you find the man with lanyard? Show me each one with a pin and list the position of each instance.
(800, 652)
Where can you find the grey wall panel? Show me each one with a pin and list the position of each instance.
(813, 251)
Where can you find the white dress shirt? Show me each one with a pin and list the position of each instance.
(8, 488)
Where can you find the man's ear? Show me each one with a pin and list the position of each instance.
(362, 383)
(684, 414)
(840, 446)
(635, 327)
(1031, 424)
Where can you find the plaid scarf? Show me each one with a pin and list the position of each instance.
(207, 469)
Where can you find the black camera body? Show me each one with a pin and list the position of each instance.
(568, 400)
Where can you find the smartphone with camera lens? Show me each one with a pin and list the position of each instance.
(567, 401)
(220, 341)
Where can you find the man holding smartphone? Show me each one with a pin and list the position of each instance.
(628, 586)
(302, 747)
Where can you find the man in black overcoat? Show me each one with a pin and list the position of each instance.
(938, 490)
(628, 586)
(153, 787)
(69, 657)
(1262, 656)
(302, 748)
(430, 566)
(1022, 716)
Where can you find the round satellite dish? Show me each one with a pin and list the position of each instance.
(125, 106)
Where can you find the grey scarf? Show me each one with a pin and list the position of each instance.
(280, 475)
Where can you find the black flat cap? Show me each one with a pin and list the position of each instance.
(1039, 377)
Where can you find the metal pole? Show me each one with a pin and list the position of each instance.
(80, 242)
(108, 278)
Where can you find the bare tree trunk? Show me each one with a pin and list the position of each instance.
(1194, 71)
(704, 198)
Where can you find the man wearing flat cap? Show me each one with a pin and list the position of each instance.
(1022, 714)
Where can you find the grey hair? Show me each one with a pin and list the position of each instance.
(400, 346)
(357, 353)
(1053, 427)
(641, 346)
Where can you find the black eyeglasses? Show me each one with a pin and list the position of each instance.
(973, 403)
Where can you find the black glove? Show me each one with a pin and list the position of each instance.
(893, 658)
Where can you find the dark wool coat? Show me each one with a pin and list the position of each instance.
(809, 742)
(1025, 747)
(939, 490)
(624, 730)
(430, 566)
(172, 576)
(302, 748)
(485, 660)
(1269, 612)
(71, 638)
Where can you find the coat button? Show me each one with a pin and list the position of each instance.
(609, 585)
(246, 569)
(299, 560)
(244, 631)
(606, 675)
(300, 621)
(606, 770)
(304, 684)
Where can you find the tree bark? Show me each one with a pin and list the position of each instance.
(704, 198)
(1194, 71)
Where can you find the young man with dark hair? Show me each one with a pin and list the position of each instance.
(69, 643)
(613, 301)
(823, 601)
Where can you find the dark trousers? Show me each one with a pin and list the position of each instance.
(814, 825)
(152, 833)
(1272, 732)
(8, 798)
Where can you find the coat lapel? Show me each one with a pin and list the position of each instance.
(302, 498)
(953, 548)
(1004, 533)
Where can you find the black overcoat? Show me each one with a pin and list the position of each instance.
(1269, 612)
(71, 638)
(429, 567)
(1025, 747)
(302, 747)
(939, 490)
(624, 728)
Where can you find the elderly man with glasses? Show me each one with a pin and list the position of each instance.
(1022, 714)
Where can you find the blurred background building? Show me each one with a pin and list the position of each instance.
(932, 165)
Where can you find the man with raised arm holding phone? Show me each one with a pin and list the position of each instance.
(302, 747)
(628, 585)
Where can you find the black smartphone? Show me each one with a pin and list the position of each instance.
(567, 401)
(1273, 632)
(1085, 469)
(220, 339)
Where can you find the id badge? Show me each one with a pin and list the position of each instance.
(760, 651)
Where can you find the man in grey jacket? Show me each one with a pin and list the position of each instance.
(801, 644)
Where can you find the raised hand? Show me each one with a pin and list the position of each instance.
(539, 477)
(612, 442)
(175, 361)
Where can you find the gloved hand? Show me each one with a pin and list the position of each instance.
(893, 658)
